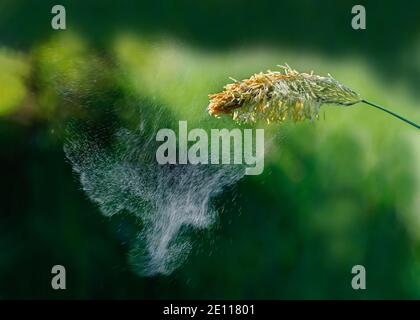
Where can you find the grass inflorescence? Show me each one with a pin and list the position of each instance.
(277, 96)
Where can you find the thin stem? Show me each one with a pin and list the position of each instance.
(392, 113)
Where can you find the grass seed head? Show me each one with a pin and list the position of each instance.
(279, 96)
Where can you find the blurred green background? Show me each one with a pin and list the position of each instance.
(341, 191)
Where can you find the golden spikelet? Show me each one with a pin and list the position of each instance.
(279, 96)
